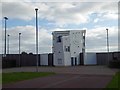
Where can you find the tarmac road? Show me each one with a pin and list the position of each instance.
(64, 81)
(68, 77)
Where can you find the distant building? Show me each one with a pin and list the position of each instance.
(67, 46)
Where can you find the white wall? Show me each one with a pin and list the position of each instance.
(43, 59)
(67, 56)
(76, 40)
(58, 50)
(76, 44)
(90, 59)
(67, 59)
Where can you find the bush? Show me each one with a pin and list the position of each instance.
(114, 64)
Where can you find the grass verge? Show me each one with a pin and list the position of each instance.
(114, 83)
(0, 78)
(20, 76)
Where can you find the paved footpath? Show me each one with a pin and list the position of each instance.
(71, 79)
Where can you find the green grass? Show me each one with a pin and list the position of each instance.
(114, 83)
(20, 76)
(0, 78)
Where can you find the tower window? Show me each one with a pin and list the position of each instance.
(59, 38)
(67, 48)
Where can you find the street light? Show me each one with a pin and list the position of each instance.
(5, 36)
(19, 51)
(8, 43)
(36, 9)
(83, 46)
(107, 47)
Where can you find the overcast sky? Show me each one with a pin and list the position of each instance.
(92, 16)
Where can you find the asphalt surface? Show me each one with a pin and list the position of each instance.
(67, 77)
(90, 70)
(64, 81)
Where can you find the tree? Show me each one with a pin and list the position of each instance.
(24, 52)
(31, 53)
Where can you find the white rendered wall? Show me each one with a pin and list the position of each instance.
(90, 59)
(67, 56)
(76, 37)
(67, 59)
(43, 59)
(58, 54)
(58, 49)
(75, 41)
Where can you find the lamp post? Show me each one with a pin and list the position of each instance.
(8, 44)
(36, 9)
(107, 47)
(83, 48)
(19, 51)
(5, 36)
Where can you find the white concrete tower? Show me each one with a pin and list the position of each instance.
(67, 46)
